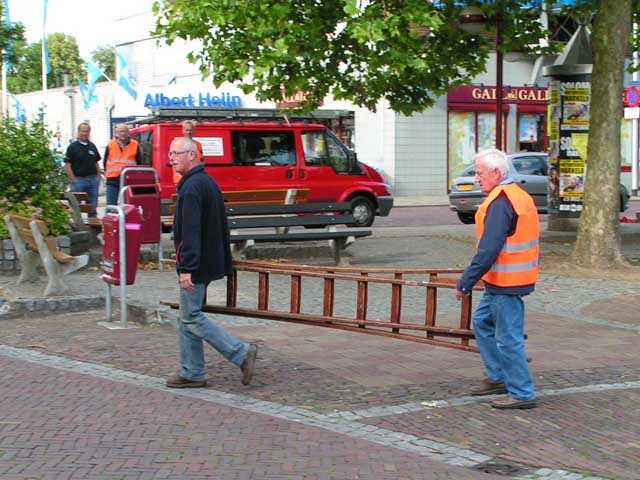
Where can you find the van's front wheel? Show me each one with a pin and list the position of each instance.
(362, 211)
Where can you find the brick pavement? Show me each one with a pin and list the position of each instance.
(583, 338)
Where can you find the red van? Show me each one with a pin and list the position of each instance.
(263, 156)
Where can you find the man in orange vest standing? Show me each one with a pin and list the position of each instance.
(121, 152)
(188, 127)
(507, 232)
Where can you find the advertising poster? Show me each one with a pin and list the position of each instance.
(553, 133)
(569, 104)
(576, 99)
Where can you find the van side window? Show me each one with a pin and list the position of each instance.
(322, 150)
(263, 148)
(145, 140)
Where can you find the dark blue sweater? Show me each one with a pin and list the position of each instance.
(499, 223)
(200, 231)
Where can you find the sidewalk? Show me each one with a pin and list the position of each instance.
(324, 403)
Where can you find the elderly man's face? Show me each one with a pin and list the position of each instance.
(486, 177)
(180, 158)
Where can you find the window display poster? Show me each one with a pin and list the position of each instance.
(462, 142)
(486, 130)
(528, 128)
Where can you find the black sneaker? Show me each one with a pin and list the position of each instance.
(249, 364)
(178, 382)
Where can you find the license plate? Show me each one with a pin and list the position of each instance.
(465, 188)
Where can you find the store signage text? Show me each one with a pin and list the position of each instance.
(223, 100)
(516, 94)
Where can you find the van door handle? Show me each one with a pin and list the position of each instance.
(289, 173)
(301, 174)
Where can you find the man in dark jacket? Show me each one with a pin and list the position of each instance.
(201, 238)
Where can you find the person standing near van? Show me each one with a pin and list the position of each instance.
(82, 165)
(188, 127)
(121, 152)
(203, 254)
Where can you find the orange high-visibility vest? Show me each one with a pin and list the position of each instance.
(176, 175)
(120, 159)
(517, 262)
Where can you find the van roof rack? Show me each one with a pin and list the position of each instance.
(178, 114)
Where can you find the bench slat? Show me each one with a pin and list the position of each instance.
(299, 236)
(288, 209)
(294, 221)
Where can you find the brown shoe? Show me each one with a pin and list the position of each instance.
(249, 364)
(507, 403)
(488, 388)
(178, 382)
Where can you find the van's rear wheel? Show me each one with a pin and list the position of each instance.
(362, 211)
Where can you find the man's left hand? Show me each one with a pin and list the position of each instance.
(184, 279)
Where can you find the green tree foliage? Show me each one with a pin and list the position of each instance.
(105, 58)
(30, 177)
(13, 33)
(26, 73)
(408, 52)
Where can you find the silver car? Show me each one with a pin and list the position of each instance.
(528, 169)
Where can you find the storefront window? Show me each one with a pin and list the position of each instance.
(462, 141)
(486, 130)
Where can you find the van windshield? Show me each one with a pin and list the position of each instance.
(323, 150)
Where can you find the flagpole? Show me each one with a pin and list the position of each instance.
(45, 59)
(5, 106)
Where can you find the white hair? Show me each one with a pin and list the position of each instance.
(494, 159)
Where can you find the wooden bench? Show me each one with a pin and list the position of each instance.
(79, 204)
(253, 220)
(282, 196)
(33, 245)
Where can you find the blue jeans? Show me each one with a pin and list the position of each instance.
(194, 327)
(112, 193)
(498, 323)
(89, 185)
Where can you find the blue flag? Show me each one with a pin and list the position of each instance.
(45, 50)
(125, 77)
(94, 74)
(87, 94)
(7, 24)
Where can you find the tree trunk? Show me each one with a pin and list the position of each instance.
(598, 243)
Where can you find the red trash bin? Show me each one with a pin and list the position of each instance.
(148, 197)
(111, 249)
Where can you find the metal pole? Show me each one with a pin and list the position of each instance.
(122, 253)
(634, 134)
(122, 257)
(499, 27)
(108, 302)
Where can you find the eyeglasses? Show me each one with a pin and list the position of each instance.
(174, 154)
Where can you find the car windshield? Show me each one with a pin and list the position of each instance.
(470, 171)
